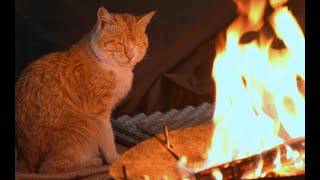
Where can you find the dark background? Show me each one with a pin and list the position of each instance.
(177, 72)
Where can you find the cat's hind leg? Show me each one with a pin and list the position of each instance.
(73, 145)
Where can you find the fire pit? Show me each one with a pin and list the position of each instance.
(259, 115)
(150, 159)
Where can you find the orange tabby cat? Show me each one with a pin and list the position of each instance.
(64, 99)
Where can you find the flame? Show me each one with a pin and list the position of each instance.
(217, 174)
(256, 173)
(289, 152)
(257, 91)
(277, 3)
(277, 161)
(299, 164)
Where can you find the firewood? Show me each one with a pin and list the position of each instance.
(237, 169)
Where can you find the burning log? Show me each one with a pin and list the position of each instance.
(239, 169)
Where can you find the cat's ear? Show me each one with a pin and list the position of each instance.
(145, 19)
(104, 18)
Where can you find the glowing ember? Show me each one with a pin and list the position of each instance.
(259, 102)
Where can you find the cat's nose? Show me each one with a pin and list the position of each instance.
(130, 54)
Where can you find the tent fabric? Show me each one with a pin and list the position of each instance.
(177, 69)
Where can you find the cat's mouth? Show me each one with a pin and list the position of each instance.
(126, 63)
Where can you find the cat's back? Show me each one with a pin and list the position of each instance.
(38, 74)
(48, 70)
(33, 86)
(61, 81)
(40, 86)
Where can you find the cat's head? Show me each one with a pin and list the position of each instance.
(120, 38)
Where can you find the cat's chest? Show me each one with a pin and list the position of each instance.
(123, 83)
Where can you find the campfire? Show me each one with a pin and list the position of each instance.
(259, 116)
(260, 102)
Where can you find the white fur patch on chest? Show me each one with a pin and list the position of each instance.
(123, 83)
(124, 79)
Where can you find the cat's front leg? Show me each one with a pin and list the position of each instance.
(107, 144)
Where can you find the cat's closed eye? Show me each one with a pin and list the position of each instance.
(140, 44)
(119, 43)
(118, 46)
(106, 43)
